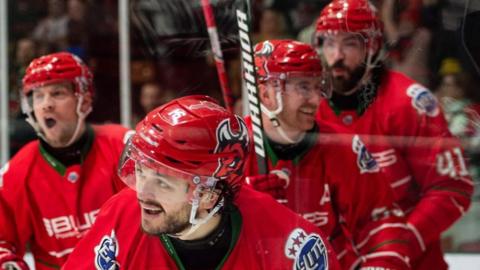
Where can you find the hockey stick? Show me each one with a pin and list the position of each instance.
(217, 54)
(250, 82)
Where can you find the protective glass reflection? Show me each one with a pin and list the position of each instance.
(322, 87)
(134, 159)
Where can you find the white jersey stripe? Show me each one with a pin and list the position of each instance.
(341, 254)
(62, 253)
(406, 260)
(400, 182)
(6, 250)
(460, 208)
(417, 235)
(378, 229)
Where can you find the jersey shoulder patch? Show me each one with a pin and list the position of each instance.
(307, 250)
(423, 100)
(106, 253)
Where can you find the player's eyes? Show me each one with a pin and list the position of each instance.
(162, 184)
(328, 43)
(352, 44)
(37, 96)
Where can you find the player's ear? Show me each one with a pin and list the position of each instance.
(87, 102)
(267, 95)
(208, 199)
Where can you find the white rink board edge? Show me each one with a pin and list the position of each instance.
(456, 261)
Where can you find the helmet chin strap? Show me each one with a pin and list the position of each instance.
(27, 109)
(370, 64)
(198, 222)
(272, 116)
(81, 119)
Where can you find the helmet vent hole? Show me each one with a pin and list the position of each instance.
(194, 162)
(172, 160)
(158, 128)
(181, 141)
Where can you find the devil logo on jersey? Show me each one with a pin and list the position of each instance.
(231, 141)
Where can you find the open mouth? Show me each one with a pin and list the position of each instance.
(150, 209)
(308, 111)
(50, 122)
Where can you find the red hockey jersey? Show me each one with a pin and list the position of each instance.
(335, 184)
(50, 206)
(408, 136)
(265, 235)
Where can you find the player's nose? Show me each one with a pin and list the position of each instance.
(47, 103)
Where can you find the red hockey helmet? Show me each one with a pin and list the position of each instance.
(280, 59)
(191, 138)
(58, 67)
(355, 16)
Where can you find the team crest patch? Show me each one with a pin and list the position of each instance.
(307, 250)
(423, 100)
(365, 161)
(106, 253)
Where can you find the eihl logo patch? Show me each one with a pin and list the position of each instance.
(307, 250)
(106, 253)
(423, 100)
(365, 161)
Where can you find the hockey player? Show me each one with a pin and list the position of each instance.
(187, 208)
(52, 189)
(407, 133)
(319, 170)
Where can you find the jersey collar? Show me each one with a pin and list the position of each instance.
(56, 164)
(235, 221)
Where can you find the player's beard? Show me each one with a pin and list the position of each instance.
(343, 85)
(170, 223)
